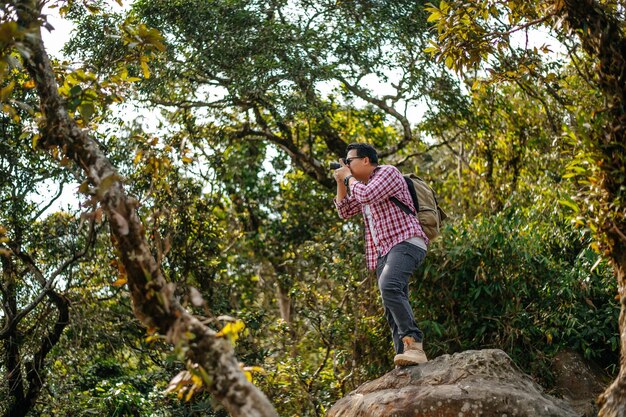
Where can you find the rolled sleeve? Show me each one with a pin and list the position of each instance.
(347, 207)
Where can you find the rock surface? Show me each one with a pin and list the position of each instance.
(579, 381)
(482, 383)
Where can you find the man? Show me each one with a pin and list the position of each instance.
(395, 244)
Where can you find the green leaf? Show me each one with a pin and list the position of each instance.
(87, 110)
(74, 91)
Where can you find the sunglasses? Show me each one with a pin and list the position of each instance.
(348, 160)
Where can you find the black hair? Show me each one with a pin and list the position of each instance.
(364, 149)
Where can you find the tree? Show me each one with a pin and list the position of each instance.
(38, 255)
(153, 299)
(256, 68)
(470, 33)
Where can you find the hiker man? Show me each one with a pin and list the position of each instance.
(395, 244)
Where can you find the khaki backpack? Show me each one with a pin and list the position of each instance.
(429, 214)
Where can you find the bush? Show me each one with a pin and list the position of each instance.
(524, 281)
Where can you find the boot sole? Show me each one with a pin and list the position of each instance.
(408, 362)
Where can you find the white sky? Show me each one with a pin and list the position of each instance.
(55, 40)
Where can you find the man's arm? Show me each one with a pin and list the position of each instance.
(346, 205)
(342, 191)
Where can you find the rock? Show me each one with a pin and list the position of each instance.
(482, 383)
(579, 381)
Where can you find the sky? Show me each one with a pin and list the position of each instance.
(55, 39)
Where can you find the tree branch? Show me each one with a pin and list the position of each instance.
(307, 163)
(381, 104)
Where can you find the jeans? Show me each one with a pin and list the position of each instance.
(393, 272)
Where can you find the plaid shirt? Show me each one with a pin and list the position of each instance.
(391, 224)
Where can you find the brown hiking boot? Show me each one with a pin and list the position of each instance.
(413, 353)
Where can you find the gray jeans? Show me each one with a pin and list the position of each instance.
(393, 271)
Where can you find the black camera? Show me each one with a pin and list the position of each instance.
(336, 165)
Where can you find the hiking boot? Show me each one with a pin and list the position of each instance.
(413, 353)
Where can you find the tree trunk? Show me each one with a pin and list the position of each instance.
(25, 378)
(154, 302)
(602, 37)
(613, 401)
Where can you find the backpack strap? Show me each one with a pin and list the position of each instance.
(402, 206)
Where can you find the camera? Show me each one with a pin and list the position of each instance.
(337, 165)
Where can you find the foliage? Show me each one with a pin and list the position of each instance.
(523, 280)
(234, 194)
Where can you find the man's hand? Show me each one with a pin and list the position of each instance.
(342, 172)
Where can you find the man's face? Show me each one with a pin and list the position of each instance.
(358, 164)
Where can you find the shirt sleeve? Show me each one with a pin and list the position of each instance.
(388, 182)
(347, 207)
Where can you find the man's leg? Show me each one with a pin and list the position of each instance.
(393, 279)
(395, 335)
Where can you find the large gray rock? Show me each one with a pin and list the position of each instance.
(482, 383)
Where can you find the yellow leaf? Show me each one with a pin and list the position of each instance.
(6, 91)
(120, 281)
(249, 370)
(436, 15)
(232, 330)
(145, 69)
(137, 158)
(36, 138)
(187, 160)
(196, 379)
(444, 7)
(189, 394)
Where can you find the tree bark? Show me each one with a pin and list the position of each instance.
(602, 37)
(154, 302)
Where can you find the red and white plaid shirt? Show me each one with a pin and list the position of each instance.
(391, 224)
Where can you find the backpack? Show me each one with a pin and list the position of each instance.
(429, 214)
